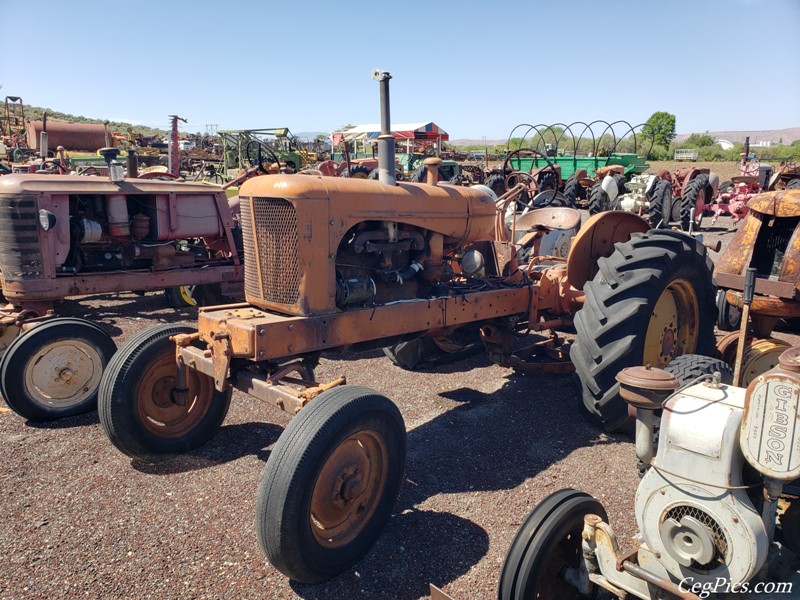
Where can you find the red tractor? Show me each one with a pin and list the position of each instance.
(67, 235)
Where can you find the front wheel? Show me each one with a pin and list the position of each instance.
(651, 301)
(139, 409)
(53, 370)
(330, 483)
(548, 546)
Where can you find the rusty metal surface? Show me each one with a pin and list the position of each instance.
(296, 224)
(27, 297)
(73, 136)
(261, 335)
(779, 289)
(646, 387)
(75, 184)
(785, 203)
(596, 239)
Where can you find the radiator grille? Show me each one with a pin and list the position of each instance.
(20, 248)
(270, 247)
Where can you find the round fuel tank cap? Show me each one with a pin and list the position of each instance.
(646, 387)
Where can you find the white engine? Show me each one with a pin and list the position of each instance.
(692, 506)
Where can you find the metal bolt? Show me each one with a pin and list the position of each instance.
(261, 331)
(291, 327)
(261, 353)
(290, 348)
(658, 554)
(735, 519)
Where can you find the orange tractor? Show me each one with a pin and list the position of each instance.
(341, 263)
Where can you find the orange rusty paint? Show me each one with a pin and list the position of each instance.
(327, 209)
(766, 305)
(260, 335)
(596, 239)
(785, 203)
(738, 253)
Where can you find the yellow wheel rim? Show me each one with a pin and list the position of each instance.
(672, 330)
(187, 294)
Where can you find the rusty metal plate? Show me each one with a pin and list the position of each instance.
(597, 238)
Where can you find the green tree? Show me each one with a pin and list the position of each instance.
(697, 140)
(660, 128)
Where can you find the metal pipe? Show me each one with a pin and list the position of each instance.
(747, 300)
(664, 584)
(645, 428)
(386, 173)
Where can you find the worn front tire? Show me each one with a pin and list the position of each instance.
(137, 404)
(330, 483)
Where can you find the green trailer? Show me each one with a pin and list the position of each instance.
(633, 163)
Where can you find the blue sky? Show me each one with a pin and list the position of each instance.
(475, 68)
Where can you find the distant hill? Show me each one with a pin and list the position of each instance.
(775, 136)
(34, 113)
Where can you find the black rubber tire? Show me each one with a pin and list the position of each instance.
(553, 199)
(611, 327)
(696, 190)
(24, 352)
(689, 367)
(547, 180)
(598, 199)
(356, 172)
(552, 529)
(117, 401)
(660, 205)
(794, 184)
(573, 189)
(284, 500)
(728, 317)
(497, 183)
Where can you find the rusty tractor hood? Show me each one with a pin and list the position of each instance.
(458, 212)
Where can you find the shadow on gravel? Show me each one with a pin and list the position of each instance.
(496, 441)
(422, 547)
(231, 443)
(83, 420)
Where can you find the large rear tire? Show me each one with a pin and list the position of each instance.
(138, 407)
(651, 300)
(695, 196)
(660, 205)
(330, 483)
(547, 544)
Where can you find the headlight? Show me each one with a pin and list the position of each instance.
(46, 219)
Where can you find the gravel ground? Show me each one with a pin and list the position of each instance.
(485, 445)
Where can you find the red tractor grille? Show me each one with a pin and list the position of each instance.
(271, 267)
(20, 248)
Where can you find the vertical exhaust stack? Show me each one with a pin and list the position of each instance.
(386, 173)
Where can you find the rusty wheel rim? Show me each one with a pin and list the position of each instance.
(566, 554)
(349, 488)
(155, 403)
(672, 330)
(63, 373)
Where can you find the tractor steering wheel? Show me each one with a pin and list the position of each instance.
(259, 160)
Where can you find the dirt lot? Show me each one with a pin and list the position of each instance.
(485, 445)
